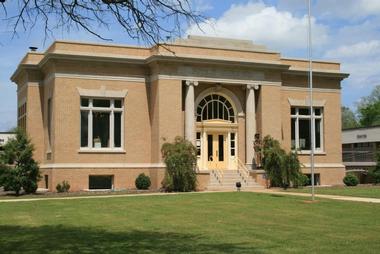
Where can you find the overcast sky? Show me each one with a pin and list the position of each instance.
(347, 31)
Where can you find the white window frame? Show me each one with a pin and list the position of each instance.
(297, 117)
(90, 109)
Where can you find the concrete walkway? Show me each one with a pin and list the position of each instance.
(334, 197)
(264, 191)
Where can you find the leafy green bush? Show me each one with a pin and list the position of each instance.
(375, 172)
(283, 169)
(142, 182)
(180, 158)
(302, 180)
(18, 169)
(350, 180)
(63, 187)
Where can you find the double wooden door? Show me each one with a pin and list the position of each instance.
(216, 150)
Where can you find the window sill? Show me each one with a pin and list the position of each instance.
(101, 150)
(306, 152)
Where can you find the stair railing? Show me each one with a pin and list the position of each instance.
(243, 170)
(218, 175)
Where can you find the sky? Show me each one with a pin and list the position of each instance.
(347, 31)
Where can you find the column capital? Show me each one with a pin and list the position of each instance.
(191, 83)
(253, 86)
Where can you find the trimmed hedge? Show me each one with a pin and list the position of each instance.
(142, 182)
(350, 180)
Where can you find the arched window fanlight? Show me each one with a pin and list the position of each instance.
(215, 106)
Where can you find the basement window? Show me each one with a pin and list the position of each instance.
(100, 182)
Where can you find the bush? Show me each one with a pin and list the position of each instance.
(283, 169)
(18, 169)
(350, 180)
(302, 180)
(142, 182)
(180, 158)
(63, 187)
(375, 172)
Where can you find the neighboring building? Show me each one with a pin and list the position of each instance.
(4, 137)
(98, 114)
(360, 146)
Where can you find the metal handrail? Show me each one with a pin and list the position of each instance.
(218, 175)
(242, 169)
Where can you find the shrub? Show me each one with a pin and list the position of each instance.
(375, 172)
(350, 180)
(142, 182)
(63, 187)
(302, 180)
(180, 158)
(18, 168)
(283, 169)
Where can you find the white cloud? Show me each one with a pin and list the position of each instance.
(361, 60)
(263, 24)
(347, 9)
(361, 49)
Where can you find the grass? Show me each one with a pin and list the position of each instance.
(191, 223)
(367, 191)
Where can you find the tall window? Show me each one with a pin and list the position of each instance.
(101, 123)
(49, 119)
(198, 143)
(233, 144)
(215, 106)
(300, 128)
(21, 116)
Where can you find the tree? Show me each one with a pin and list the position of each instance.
(18, 169)
(283, 169)
(151, 21)
(180, 158)
(348, 118)
(375, 172)
(369, 109)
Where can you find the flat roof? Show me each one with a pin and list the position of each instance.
(361, 135)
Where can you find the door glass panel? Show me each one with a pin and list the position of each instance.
(221, 148)
(117, 129)
(209, 147)
(101, 129)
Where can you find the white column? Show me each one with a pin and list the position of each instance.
(250, 124)
(189, 111)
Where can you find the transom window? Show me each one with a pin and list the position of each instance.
(215, 106)
(101, 123)
(300, 128)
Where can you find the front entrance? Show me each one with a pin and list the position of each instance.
(216, 151)
(216, 132)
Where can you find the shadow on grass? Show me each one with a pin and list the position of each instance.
(62, 239)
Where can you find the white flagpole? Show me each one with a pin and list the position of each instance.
(312, 125)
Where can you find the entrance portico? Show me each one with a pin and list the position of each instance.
(212, 124)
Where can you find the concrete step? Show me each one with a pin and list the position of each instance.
(227, 181)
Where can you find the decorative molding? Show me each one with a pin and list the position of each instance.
(101, 165)
(323, 165)
(306, 89)
(140, 79)
(214, 80)
(102, 92)
(306, 102)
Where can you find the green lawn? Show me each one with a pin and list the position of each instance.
(367, 191)
(190, 223)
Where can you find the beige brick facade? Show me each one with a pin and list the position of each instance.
(154, 81)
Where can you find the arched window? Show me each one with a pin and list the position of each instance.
(215, 106)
